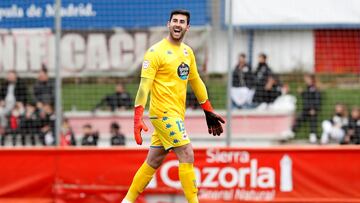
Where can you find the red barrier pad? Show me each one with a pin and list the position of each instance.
(275, 174)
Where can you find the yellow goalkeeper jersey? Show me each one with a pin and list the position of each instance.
(170, 66)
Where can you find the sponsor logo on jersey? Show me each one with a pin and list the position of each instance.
(186, 52)
(146, 64)
(183, 71)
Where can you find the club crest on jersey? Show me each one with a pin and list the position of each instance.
(183, 71)
(186, 52)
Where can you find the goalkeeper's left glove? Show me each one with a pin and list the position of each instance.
(213, 120)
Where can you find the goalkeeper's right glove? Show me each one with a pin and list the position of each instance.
(139, 124)
(213, 120)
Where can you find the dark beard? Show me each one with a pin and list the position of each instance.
(177, 39)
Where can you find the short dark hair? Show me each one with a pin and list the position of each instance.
(263, 55)
(182, 12)
(88, 125)
(115, 126)
(31, 103)
(242, 55)
(44, 69)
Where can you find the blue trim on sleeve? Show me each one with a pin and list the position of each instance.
(156, 146)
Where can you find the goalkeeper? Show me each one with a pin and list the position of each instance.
(167, 68)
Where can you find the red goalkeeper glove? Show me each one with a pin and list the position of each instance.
(139, 124)
(213, 120)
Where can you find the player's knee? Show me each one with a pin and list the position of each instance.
(187, 158)
(155, 162)
(185, 154)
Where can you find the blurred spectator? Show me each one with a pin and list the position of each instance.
(311, 99)
(43, 88)
(90, 138)
(47, 126)
(67, 134)
(117, 137)
(2, 136)
(262, 72)
(242, 84)
(13, 127)
(191, 101)
(29, 124)
(267, 94)
(12, 91)
(117, 101)
(283, 102)
(334, 128)
(352, 135)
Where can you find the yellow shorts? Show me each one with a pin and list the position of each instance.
(169, 133)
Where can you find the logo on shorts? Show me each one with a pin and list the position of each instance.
(183, 71)
(184, 136)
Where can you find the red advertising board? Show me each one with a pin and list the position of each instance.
(280, 174)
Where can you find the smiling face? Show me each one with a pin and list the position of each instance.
(178, 26)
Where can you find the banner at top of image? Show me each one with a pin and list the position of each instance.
(104, 14)
(285, 14)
